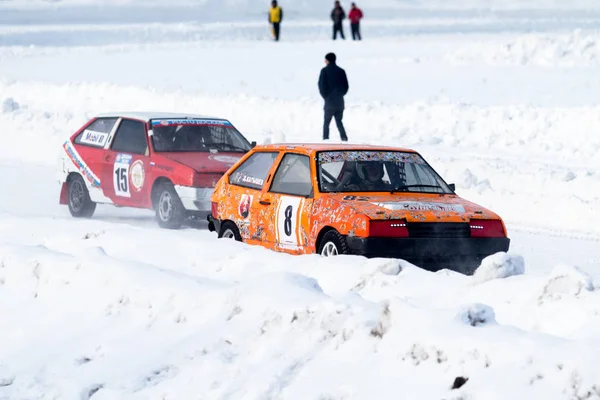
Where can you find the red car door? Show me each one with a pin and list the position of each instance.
(126, 165)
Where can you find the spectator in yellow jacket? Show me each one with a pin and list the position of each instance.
(275, 18)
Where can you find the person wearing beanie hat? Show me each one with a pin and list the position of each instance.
(333, 86)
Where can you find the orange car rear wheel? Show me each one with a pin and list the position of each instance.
(230, 231)
(333, 244)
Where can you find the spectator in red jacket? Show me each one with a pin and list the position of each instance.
(355, 16)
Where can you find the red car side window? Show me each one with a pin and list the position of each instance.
(131, 137)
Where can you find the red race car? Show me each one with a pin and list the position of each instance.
(162, 161)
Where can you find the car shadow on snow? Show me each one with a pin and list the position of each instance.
(139, 217)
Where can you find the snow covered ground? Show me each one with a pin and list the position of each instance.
(501, 98)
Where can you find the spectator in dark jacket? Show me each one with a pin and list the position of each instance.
(355, 15)
(333, 86)
(337, 16)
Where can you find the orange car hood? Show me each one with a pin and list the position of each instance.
(414, 207)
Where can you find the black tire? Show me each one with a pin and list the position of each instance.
(78, 198)
(229, 230)
(333, 240)
(170, 212)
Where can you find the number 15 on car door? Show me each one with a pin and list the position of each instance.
(287, 222)
(121, 175)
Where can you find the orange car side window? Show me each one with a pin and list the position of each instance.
(293, 176)
(253, 172)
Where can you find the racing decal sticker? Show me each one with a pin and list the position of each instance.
(244, 206)
(93, 138)
(253, 180)
(287, 222)
(420, 206)
(241, 178)
(160, 166)
(197, 121)
(355, 198)
(225, 159)
(121, 175)
(326, 157)
(137, 175)
(86, 172)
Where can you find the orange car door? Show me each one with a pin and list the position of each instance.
(246, 195)
(290, 194)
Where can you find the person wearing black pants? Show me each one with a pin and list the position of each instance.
(337, 16)
(275, 17)
(338, 115)
(333, 86)
(355, 15)
(355, 31)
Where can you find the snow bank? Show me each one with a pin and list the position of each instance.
(9, 105)
(566, 280)
(562, 134)
(499, 266)
(136, 321)
(574, 49)
(477, 314)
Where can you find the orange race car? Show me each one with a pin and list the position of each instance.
(353, 199)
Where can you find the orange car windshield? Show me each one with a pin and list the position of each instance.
(197, 135)
(377, 171)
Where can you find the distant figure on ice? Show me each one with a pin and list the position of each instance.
(337, 16)
(275, 18)
(333, 86)
(355, 15)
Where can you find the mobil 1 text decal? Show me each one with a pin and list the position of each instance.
(92, 138)
(121, 175)
(287, 217)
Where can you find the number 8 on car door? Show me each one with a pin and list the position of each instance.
(292, 182)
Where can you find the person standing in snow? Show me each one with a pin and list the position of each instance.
(337, 16)
(333, 86)
(355, 15)
(275, 18)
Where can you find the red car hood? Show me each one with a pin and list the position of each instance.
(205, 162)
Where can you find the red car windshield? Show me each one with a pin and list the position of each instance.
(197, 135)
